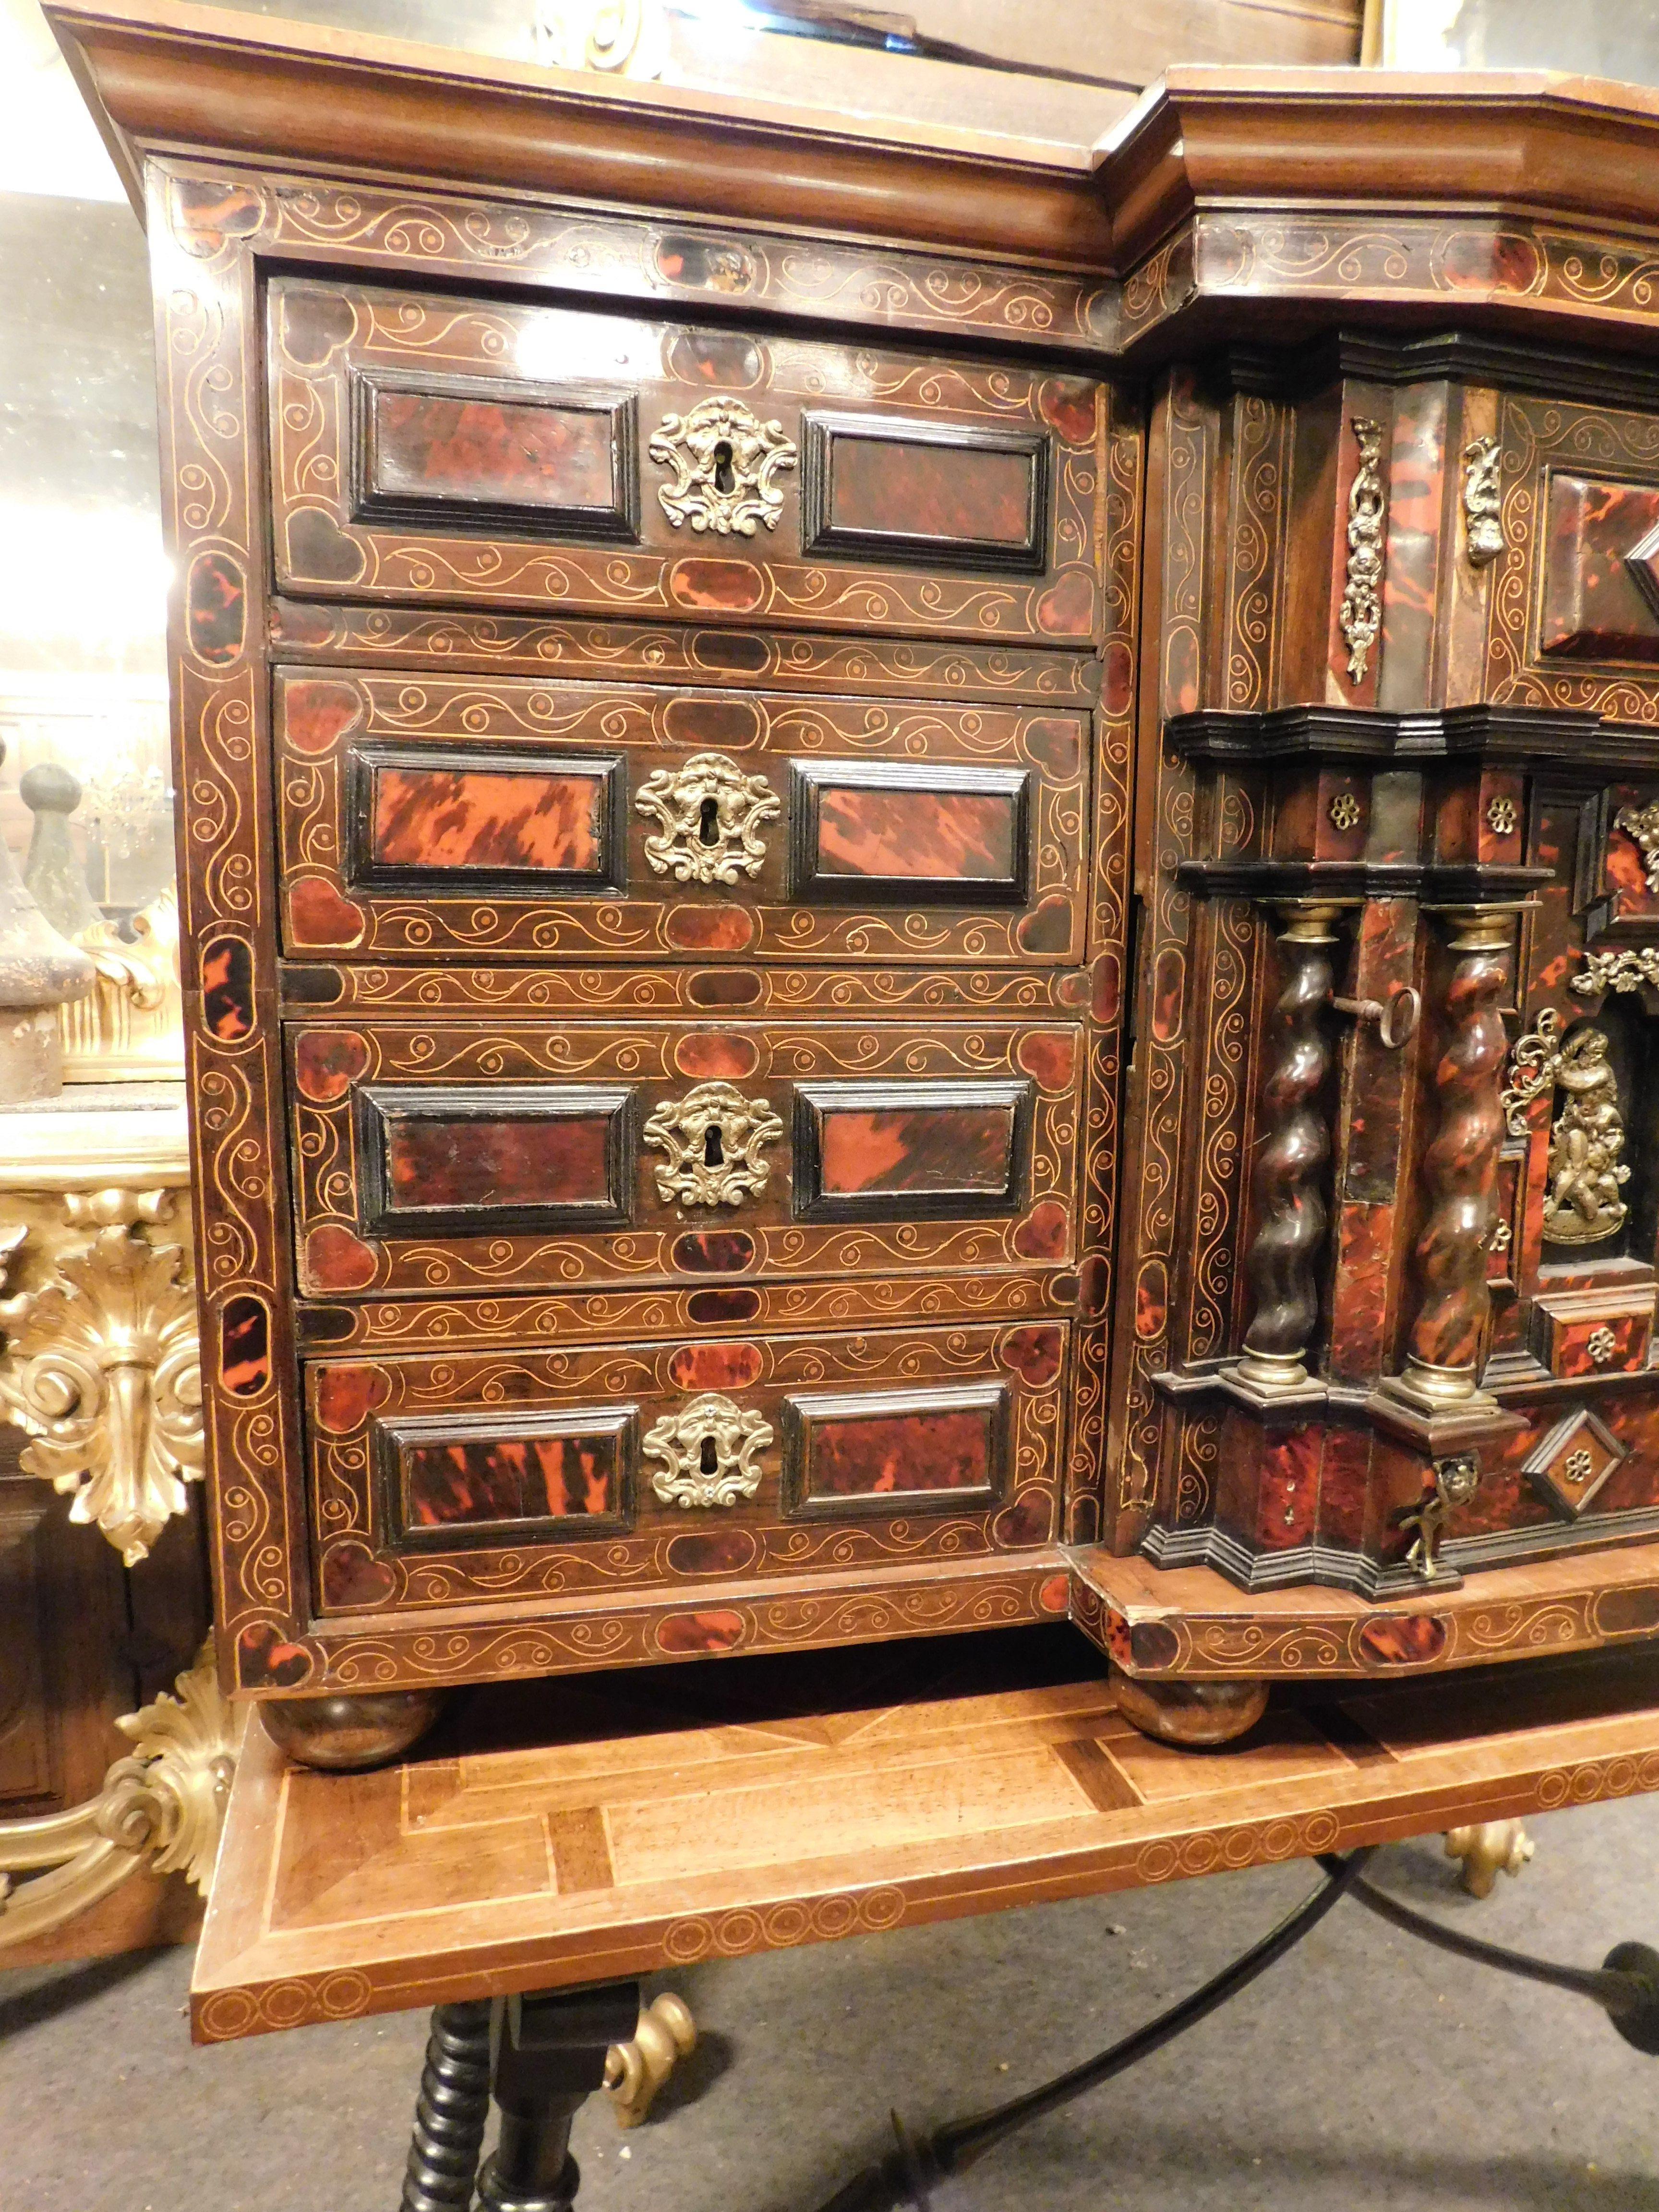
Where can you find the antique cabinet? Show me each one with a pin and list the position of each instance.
(920, 880)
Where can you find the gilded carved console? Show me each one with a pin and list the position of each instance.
(698, 730)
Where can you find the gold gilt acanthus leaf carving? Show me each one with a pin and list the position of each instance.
(102, 1369)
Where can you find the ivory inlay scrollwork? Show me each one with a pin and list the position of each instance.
(710, 815)
(724, 460)
(713, 1138)
(1361, 616)
(1483, 530)
(708, 1451)
(1641, 824)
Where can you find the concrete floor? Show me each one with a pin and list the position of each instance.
(1364, 2072)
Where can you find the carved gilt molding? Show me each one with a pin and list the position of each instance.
(1361, 616)
(1483, 529)
(1641, 824)
(131, 1027)
(713, 1138)
(1626, 970)
(101, 1366)
(708, 1449)
(161, 1807)
(1587, 1169)
(725, 459)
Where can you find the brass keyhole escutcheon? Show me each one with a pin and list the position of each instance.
(709, 813)
(714, 1138)
(725, 461)
(710, 1453)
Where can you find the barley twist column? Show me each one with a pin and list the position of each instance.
(1287, 1186)
(1460, 1167)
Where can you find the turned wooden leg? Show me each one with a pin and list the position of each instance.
(343, 1733)
(1191, 1713)
(450, 2111)
(550, 2058)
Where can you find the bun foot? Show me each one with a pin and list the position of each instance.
(343, 1735)
(1190, 1713)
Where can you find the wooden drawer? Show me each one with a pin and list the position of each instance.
(489, 1156)
(510, 1476)
(502, 815)
(426, 447)
(1604, 1331)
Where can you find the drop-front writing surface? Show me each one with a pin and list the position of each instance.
(696, 740)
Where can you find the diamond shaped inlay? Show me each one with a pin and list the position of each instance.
(1570, 1463)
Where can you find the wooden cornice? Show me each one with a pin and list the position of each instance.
(1207, 139)
(1208, 157)
(165, 76)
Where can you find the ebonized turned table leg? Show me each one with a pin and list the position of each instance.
(450, 2111)
(550, 2054)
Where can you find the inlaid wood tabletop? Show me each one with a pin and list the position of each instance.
(562, 1833)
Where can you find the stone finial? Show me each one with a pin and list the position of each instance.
(39, 971)
(51, 872)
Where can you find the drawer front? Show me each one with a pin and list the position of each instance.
(501, 815)
(425, 447)
(517, 1475)
(1595, 1332)
(486, 1156)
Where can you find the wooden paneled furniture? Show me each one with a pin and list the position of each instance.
(719, 660)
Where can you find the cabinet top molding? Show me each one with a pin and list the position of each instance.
(164, 76)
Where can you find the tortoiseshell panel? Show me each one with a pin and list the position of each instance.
(428, 820)
(427, 445)
(458, 1157)
(490, 1473)
(935, 833)
(474, 1472)
(500, 815)
(906, 1443)
(464, 516)
(897, 492)
(474, 1157)
(1596, 604)
(874, 1152)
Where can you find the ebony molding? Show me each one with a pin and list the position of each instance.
(1431, 882)
(823, 538)
(364, 761)
(374, 1104)
(813, 1101)
(810, 879)
(803, 1411)
(617, 523)
(1455, 356)
(1555, 738)
(389, 1440)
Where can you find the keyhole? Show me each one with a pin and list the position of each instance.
(708, 822)
(713, 1156)
(724, 479)
(709, 1459)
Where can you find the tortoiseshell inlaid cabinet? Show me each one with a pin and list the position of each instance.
(920, 880)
